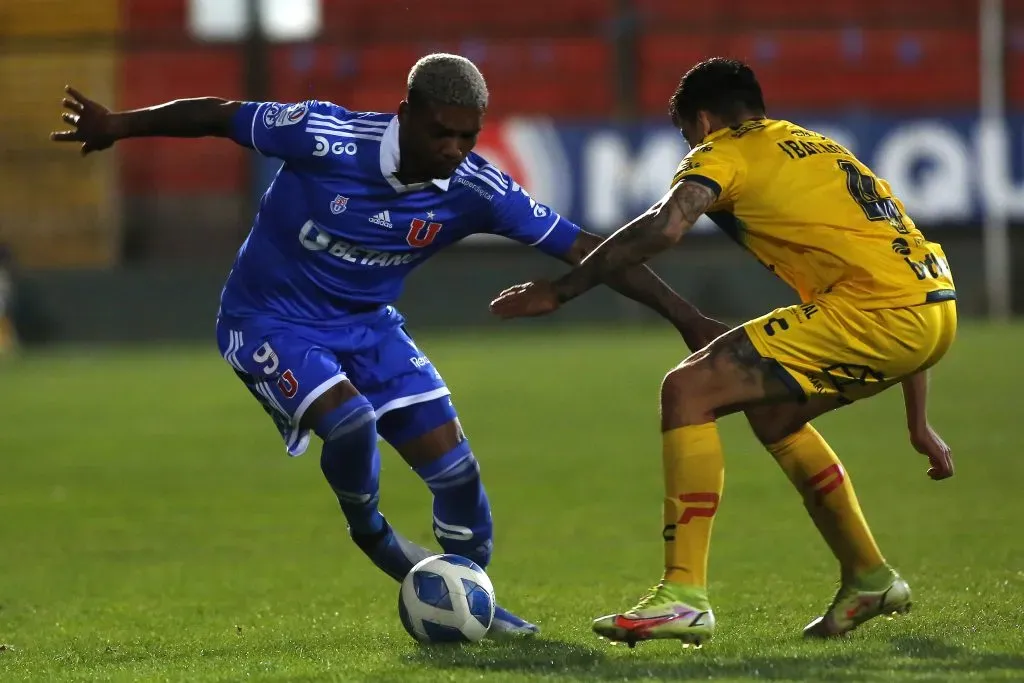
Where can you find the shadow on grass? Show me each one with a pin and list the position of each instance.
(912, 655)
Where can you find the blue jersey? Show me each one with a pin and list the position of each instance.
(337, 233)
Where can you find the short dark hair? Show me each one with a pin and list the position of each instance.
(724, 87)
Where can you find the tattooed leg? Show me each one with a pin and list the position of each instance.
(727, 376)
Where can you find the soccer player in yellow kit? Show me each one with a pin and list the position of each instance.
(878, 309)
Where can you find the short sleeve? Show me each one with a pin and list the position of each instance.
(285, 131)
(717, 165)
(520, 217)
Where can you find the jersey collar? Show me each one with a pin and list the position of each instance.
(721, 132)
(390, 156)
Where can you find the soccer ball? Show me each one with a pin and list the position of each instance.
(446, 599)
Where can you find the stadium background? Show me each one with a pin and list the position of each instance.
(151, 527)
(133, 245)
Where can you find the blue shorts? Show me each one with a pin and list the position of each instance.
(288, 366)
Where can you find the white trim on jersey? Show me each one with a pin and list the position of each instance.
(252, 129)
(494, 173)
(348, 122)
(348, 127)
(545, 235)
(487, 179)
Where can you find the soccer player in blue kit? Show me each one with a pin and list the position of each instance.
(306, 317)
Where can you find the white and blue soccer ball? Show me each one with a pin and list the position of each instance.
(446, 599)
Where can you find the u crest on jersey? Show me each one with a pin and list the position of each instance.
(421, 233)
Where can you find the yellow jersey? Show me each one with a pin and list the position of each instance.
(817, 217)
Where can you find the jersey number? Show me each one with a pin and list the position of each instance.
(864, 190)
(265, 356)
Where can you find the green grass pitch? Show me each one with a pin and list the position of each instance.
(154, 529)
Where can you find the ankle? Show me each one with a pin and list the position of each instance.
(874, 578)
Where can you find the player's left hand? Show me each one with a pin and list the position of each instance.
(927, 442)
(527, 300)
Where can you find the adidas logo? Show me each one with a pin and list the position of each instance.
(383, 219)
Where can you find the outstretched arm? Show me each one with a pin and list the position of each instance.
(98, 128)
(641, 284)
(925, 440)
(661, 227)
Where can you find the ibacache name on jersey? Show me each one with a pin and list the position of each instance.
(801, 149)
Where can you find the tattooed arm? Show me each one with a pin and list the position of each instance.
(641, 284)
(614, 260)
(661, 227)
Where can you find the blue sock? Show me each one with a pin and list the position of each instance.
(351, 463)
(391, 552)
(462, 513)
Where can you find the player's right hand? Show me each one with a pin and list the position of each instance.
(92, 123)
(928, 443)
(526, 300)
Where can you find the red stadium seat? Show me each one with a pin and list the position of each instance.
(154, 17)
(171, 165)
(523, 74)
(421, 21)
(1015, 77)
(804, 13)
(1013, 11)
(882, 68)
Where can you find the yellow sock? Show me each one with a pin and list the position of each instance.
(814, 469)
(694, 474)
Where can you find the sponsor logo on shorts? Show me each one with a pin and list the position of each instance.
(808, 310)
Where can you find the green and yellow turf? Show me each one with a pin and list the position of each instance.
(152, 527)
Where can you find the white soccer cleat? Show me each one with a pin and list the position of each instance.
(853, 606)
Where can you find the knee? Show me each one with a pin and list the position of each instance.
(682, 400)
(347, 430)
(354, 415)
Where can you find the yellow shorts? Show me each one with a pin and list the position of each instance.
(831, 348)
